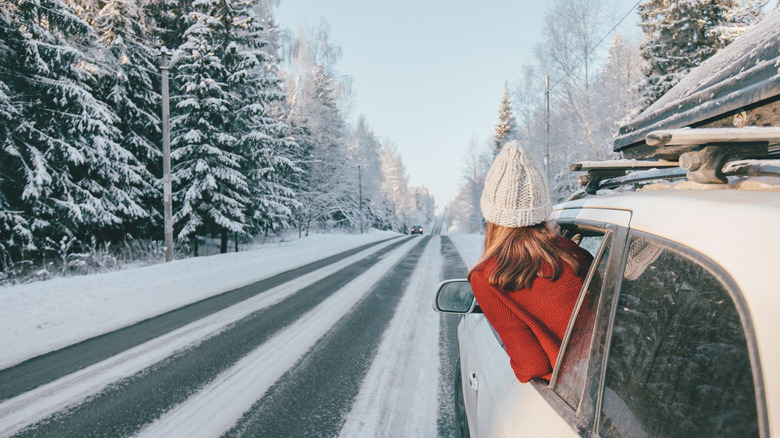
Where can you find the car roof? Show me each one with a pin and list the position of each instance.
(736, 229)
(743, 75)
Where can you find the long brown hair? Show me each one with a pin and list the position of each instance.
(522, 254)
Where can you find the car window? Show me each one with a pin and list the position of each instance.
(678, 361)
(575, 352)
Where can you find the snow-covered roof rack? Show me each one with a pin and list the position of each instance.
(704, 156)
(737, 87)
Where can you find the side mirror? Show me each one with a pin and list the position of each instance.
(455, 296)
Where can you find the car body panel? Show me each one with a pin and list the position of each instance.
(699, 220)
(502, 404)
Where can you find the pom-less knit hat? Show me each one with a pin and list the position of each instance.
(515, 193)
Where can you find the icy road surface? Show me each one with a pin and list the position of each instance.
(347, 346)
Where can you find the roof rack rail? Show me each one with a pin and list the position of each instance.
(706, 156)
(701, 136)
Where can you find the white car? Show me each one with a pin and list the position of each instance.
(677, 328)
(675, 333)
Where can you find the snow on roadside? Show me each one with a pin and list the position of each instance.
(399, 394)
(70, 390)
(216, 407)
(470, 247)
(40, 317)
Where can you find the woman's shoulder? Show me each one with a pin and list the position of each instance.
(483, 266)
(583, 256)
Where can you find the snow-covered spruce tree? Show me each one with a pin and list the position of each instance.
(269, 154)
(79, 182)
(740, 17)
(15, 233)
(130, 87)
(169, 20)
(210, 190)
(680, 35)
(506, 128)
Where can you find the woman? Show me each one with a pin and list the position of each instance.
(529, 277)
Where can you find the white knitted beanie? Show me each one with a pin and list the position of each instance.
(515, 193)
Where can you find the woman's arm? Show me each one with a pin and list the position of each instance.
(526, 355)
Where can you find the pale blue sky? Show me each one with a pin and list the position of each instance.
(429, 74)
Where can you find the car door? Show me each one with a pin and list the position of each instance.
(573, 389)
(498, 405)
(682, 359)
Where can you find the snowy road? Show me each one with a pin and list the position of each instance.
(347, 346)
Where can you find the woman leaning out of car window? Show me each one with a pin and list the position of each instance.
(529, 277)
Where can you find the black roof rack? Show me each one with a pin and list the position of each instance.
(705, 156)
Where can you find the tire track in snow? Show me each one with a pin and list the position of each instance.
(453, 267)
(126, 406)
(319, 390)
(51, 366)
(399, 395)
(43, 401)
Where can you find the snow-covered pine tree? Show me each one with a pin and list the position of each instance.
(130, 86)
(210, 189)
(79, 181)
(15, 233)
(169, 19)
(268, 153)
(680, 35)
(506, 128)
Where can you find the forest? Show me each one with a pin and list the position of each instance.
(261, 136)
(260, 139)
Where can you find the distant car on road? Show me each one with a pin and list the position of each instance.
(417, 229)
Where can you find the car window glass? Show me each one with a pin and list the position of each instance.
(575, 353)
(678, 361)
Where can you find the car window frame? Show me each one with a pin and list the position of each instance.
(583, 418)
(739, 302)
(608, 236)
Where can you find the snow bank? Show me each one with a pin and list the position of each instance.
(470, 247)
(40, 317)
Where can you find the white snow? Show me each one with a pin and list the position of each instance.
(470, 247)
(234, 391)
(398, 397)
(40, 317)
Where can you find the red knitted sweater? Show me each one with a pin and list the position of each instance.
(532, 322)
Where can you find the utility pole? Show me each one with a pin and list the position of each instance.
(395, 187)
(547, 129)
(360, 194)
(166, 132)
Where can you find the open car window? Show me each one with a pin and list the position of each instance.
(571, 370)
